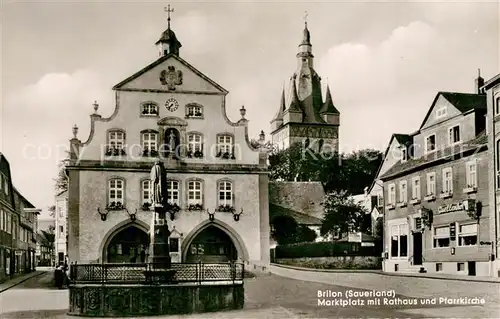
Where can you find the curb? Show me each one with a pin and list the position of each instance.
(21, 281)
(379, 272)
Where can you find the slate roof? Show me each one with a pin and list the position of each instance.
(302, 219)
(464, 102)
(401, 139)
(480, 142)
(302, 197)
(328, 106)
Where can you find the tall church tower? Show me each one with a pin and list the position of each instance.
(304, 117)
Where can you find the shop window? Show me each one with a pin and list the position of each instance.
(441, 237)
(399, 241)
(460, 266)
(467, 235)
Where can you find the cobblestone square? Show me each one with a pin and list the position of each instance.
(274, 296)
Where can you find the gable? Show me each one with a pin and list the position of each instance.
(391, 157)
(435, 114)
(171, 74)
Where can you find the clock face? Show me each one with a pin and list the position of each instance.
(172, 105)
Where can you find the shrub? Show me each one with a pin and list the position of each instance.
(324, 249)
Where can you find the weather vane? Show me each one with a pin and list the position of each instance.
(168, 11)
(305, 17)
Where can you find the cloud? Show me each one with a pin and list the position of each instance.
(394, 80)
(37, 124)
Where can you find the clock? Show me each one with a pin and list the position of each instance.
(172, 105)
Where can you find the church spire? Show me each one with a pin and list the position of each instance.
(168, 43)
(328, 106)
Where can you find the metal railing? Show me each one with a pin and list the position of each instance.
(139, 273)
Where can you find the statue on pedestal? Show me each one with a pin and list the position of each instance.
(159, 247)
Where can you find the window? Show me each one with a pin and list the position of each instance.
(146, 192)
(195, 144)
(225, 193)
(497, 106)
(403, 194)
(440, 112)
(116, 139)
(224, 143)
(116, 191)
(447, 181)
(150, 142)
(149, 108)
(497, 152)
(430, 143)
(399, 240)
(9, 223)
(454, 135)
(460, 266)
(439, 267)
(404, 155)
(441, 237)
(467, 235)
(415, 189)
(380, 200)
(194, 110)
(61, 231)
(431, 184)
(173, 192)
(392, 194)
(471, 174)
(194, 192)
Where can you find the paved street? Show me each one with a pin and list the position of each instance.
(274, 296)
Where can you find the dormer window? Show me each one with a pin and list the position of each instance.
(430, 143)
(194, 111)
(441, 112)
(116, 143)
(454, 135)
(404, 154)
(149, 109)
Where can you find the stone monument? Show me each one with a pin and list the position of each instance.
(159, 254)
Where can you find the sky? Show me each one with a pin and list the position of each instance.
(384, 63)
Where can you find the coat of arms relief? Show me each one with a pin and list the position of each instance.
(171, 77)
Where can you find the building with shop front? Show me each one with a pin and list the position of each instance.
(24, 236)
(217, 183)
(18, 220)
(492, 90)
(60, 217)
(437, 210)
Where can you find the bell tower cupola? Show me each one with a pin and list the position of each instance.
(305, 56)
(168, 43)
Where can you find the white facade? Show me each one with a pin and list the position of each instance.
(61, 215)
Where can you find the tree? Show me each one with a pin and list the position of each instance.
(379, 229)
(342, 215)
(305, 234)
(52, 210)
(337, 172)
(285, 229)
(62, 180)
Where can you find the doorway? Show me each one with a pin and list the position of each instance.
(212, 245)
(417, 248)
(128, 246)
(471, 266)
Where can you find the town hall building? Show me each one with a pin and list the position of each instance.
(217, 183)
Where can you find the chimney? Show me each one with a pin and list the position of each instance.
(479, 83)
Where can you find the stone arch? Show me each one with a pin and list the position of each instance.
(238, 242)
(103, 247)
